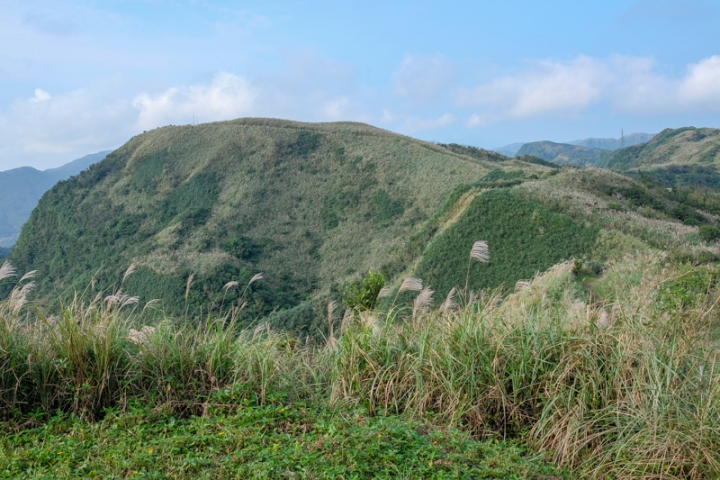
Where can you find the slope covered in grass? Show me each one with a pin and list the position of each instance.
(524, 238)
(686, 156)
(201, 210)
(309, 205)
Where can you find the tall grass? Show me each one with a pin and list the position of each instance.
(626, 388)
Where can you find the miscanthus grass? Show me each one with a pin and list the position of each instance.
(623, 388)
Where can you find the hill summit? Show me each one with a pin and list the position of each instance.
(310, 205)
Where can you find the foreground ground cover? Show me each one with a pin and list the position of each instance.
(272, 441)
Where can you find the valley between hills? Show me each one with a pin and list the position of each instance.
(345, 286)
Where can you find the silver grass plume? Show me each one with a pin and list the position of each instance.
(331, 310)
(384, 292)
(140, 336)
(423, 301)
(128, 300)
(120, 300)
(522, 286)
(480, 251)
(332, 305)
(260, 328)
(151, 303)
(18, 297)
(189, 284)
(128, 272)
(412, 284)
(6, 271)
(28, 276)
(255, 278)
(449, 302)
(230, 284)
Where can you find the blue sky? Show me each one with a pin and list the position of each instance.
(81, 76)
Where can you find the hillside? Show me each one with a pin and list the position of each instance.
(562, 153)
(22, 189)
(315, 206)
(309, 205)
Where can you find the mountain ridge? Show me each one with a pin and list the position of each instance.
(198, 211)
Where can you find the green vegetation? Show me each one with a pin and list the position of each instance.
(524, 237)
(679, 151)
(678, 176)
(250, 441)
(709, 233)
(364, 295)
(311, 206)
(474, 152)
(251, 233)
(93, 387)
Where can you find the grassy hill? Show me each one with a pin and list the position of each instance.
(680, 146)
(23, 187)
(562, 153)
(683, 157)
(199, 210)
(309, 205)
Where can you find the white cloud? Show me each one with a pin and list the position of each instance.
(336, 109)
(40, 95)
(46, 130)
(627, 84)
(228, 96)
(423, 77)
(547, 87)
(701, 85)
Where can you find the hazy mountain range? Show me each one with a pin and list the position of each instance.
(601, 143)
(22, 188)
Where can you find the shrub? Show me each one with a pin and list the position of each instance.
(710, 233)
(364, 295)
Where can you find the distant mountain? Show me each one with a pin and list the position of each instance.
(568, 154)
(22, 188)
(614, 143)
(562, 153)
(686, 156)
(509, 150)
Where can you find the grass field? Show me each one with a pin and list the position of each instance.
(616, 378)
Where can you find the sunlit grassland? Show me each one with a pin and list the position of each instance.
(619, 383)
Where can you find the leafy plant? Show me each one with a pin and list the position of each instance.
(363, 295)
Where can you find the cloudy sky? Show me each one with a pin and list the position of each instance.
(80, 76)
